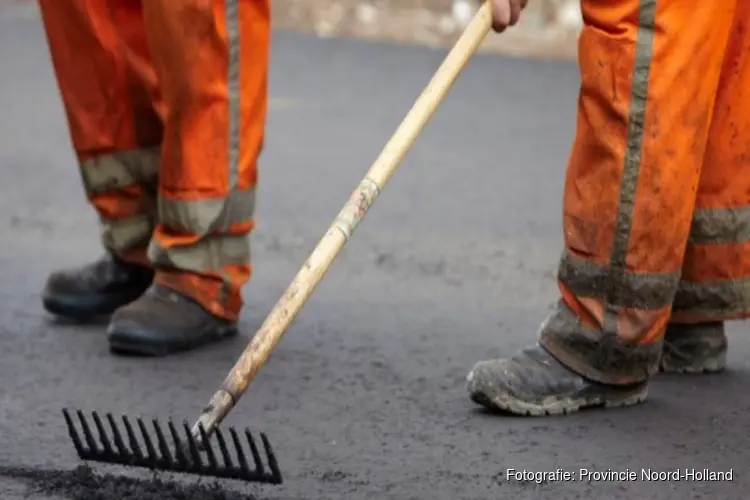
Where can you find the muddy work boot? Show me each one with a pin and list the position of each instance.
(95, 289)
(534, 383)
(163, 321)
(696, 348)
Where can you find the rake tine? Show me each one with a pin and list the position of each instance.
(179, 449)
(102, 434)
(240, 454)
(163, 446)
(74, 434)
(147, 440)
(193, 447)
(208, 449)
(121, 448)
(224, 450)
(256, 454)
(87, 434)
(131, 438)
(272, 462)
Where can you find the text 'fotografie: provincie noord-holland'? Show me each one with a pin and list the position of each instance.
(699, 475)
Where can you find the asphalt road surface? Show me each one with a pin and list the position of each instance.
(365, 395)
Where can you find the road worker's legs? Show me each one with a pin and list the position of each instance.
(110, 96)
(212, 63)
(715, 282)
(649, 74)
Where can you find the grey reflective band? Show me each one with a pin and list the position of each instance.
(211, 253)
(714, 298)
(717, 226)
(636, 290)
(617, 274)
(121, 235)
(233, 89)
(116, 171)
(206, 216)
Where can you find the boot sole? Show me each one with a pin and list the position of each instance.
(78, 308)
(124, 347)
(562, 406)
(715, 364)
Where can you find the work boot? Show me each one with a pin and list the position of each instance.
(163, 321)
(95, 289)
(533, 382)
(696, 348)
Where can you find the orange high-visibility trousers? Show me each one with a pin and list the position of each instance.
(166, 104)
(657, 193)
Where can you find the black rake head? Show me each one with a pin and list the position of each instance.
(184, 454)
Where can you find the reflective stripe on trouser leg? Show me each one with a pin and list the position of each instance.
(716, 273)
(107, 86)
(631, 181)
(122, 188)
(216, 91)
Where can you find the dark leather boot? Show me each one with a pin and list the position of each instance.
(532, 382)
(95, 289)
(697, 348)
(163, 321)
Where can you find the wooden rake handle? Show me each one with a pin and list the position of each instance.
(268, 336)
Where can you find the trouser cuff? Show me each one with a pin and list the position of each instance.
(596, 355)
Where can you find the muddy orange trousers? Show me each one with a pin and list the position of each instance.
(657, 193)
(166, 104)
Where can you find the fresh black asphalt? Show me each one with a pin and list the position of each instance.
(365, 396)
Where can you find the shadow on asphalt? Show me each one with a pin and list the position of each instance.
(87, 324)
(82, 483)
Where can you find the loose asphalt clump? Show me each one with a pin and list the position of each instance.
(82, 483)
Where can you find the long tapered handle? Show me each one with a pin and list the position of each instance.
(303, 285)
